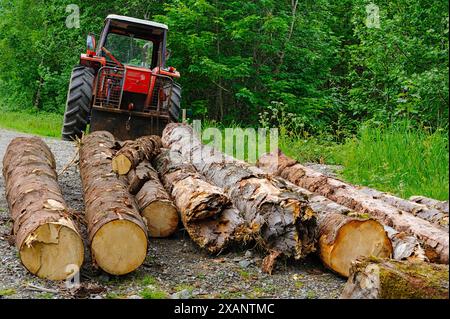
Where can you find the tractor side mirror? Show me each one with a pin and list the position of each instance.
(168, 54)
(90, 44)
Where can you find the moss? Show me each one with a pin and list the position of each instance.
(408, 280)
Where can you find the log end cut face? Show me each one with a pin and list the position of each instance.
(121, 164)
(162, 218)
(53, 251)
(357, 238)
(119, 247)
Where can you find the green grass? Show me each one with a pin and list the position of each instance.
(44, 124)
(7, 292)
(148, 280)
(153, 293)
(398, 159)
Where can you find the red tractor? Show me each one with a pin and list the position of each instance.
(122, 85)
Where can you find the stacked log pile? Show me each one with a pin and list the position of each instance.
(138, 189)
(434, 238)
(287, 224)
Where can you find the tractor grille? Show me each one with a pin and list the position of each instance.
(161, 93)
(108, 92)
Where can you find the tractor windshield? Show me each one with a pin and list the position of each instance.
(130, 50)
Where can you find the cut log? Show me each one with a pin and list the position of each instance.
(117, 232)
(342, 239)
(433, 215)
(206, 212)
(442, 206)
(433, 239)
(286, 225)
(404, 246)
(49, 243)
(134, 152)
(154, 202)
(137, 177)
(374, 278)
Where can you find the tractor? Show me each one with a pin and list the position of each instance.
(122, 84)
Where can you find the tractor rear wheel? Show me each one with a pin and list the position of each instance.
(175, 105)
(78, 106)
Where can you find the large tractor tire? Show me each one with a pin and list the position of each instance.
(175, 105)
(78, 106)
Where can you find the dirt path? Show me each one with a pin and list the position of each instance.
(174, 268)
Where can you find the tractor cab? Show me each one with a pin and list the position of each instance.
(131, 92)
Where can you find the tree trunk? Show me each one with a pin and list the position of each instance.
(285, 223)
(48, 241)
(374, 278)
(404, 246)
(430, 214)
(338, 232)
(206, 212)
(117, 232)
(441, 206)
(434, 239)
(154, 202)
(134, 152)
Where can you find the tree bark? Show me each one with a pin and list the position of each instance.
(441, 206)
(285, 223)
(430, 214)
(117, 233)
(338, 233)
(206, 212)
(433, 239)
(374, 278)
(134, 152)
(48, 241)
(154, 202)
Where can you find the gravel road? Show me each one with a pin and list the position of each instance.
(174, 268)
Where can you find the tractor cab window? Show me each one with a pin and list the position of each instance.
(130, 50)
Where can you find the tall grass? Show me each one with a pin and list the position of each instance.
(398, 159)
(45, 124)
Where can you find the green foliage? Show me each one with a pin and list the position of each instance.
(398, 159)
(240, 60)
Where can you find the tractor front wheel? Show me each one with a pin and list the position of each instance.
(78, 106)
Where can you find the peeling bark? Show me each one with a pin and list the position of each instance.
(132, 153)
(117, 233)
(374, 278)
(433, 239)
(206, 212)
(430, 214)
(441, 206)
(285, 223)
(343, 235)
(49, 243)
